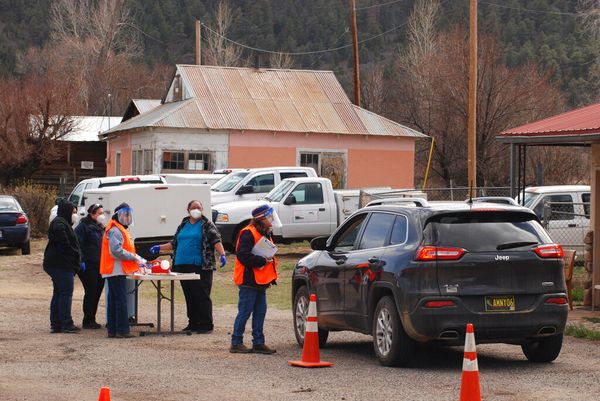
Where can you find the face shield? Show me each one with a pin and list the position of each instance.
(125, 216)
(273, 218)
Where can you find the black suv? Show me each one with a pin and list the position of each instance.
(420, 274)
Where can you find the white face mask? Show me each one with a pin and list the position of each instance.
(74, 219)
(195, 213)
(101, 219)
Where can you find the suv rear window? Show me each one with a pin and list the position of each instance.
(486, 231)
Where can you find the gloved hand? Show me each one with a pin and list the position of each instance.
(155, 249)
(140, 260)
(82, 267)
(223, 260)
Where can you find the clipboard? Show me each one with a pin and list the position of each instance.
(264, 248)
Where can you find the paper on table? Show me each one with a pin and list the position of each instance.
(264, 248)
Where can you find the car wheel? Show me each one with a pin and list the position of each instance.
(301, 301)
(392, 345)
(543, 350)
(26, 248)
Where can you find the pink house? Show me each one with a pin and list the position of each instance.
(218, 117)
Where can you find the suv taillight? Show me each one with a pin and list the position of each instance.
(22, 219)
(430, 253)
(549, 251)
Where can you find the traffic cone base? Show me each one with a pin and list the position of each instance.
(310, 352)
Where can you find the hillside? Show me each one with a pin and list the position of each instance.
(545, 32)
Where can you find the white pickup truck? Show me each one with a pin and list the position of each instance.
(252, 184)
(307, 207)
(157, 208)
(564, 210)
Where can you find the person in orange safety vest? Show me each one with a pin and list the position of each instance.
(117, 259)
(253, 274)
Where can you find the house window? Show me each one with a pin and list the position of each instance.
(118, 163)
(141, 162)
(182, 161)
(173, 161)
(310, 160)
(199, 161)
(330, 165)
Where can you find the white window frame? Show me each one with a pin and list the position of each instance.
(320, 152)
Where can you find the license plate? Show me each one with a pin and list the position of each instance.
(500, 303)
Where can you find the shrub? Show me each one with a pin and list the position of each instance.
(36, 200)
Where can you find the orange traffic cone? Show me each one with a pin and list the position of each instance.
(104, 394)
(469, 386)
(310, 353)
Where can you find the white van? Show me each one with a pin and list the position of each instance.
(254, 183)
(209, 179)
(565, 211)
(76, 197)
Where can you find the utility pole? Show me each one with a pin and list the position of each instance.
(355, 51)
(472, 121)
(198, 43)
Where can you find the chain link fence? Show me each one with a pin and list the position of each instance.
(567, 223)
(462, 193)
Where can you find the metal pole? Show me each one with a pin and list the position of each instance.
(198, 43)
(158, 296)
(524, 171)
(472, 120)
(355, 51)
(512, 170)
(519, 172)
(172, 306)
(428, 163)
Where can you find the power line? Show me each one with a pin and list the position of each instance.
(257, 49)
(529, 10)
(378, 5)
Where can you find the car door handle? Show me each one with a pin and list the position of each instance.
(572, 225)
(298, 217)
(321, 209)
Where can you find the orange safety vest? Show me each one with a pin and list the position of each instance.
(107, 262)
(262, 276)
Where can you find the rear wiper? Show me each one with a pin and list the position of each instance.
(510, 245)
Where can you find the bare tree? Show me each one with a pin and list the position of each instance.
(281, 60)
(91, 41)
(219, 50)
(34, 114)
(374, 90)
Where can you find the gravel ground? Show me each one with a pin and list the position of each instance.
(37, 365)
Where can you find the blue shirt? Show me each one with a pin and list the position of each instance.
(189, 245)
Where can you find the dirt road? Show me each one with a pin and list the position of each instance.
(37, 365)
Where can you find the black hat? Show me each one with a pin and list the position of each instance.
(122, 206)
(94, 208)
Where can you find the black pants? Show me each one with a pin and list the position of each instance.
(197, 297)
(93, 284)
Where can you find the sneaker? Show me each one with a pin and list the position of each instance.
(111, 335)
(239, 349)
(125, 335)
(91, 326)
(71, 330)
(262, 349)
(55, 330)
(189, 327)
(204, 331)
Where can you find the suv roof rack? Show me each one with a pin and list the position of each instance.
(419, 202)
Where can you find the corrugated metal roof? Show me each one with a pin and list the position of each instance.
(576, 122)
(144, 105)
(266, 100)
(87, 128)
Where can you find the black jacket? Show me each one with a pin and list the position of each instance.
(249, 260)
(89, 233)
(62, 251)
(210, 237)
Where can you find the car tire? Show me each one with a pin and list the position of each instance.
(26, 248)
(392, 345)
(543, 350)
(300, 310)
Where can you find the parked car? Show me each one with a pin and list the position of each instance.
(410, 274)
(78, 199)
(254, 183)
(14, 225)
(565, 212)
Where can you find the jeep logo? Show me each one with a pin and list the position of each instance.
(500, 257)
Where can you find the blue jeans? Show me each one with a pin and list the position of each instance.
(117, 318)
(252, 301)
(62, 297)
